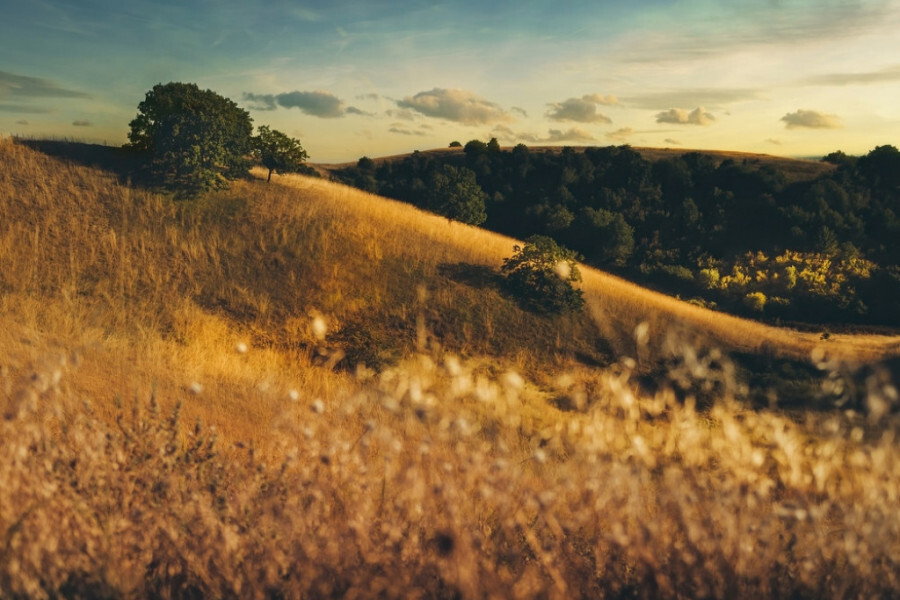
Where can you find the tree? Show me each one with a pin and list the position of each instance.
(541, 274)
(455, 193)
(278, 152)
(194, 139)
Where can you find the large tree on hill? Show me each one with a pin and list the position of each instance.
(194, 139)
(278, 152)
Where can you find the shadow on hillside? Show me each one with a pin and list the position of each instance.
(477, 276)
(124, 164)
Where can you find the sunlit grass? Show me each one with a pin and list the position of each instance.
(176, 419)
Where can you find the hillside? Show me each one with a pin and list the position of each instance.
(183, 413)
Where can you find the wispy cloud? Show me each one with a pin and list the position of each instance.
(318, 104)
(672, 141)
(82, 123)
(22, 86)
(399, 129)
(22, 122)
(581, 110)
(741, 26)
(457, 105)
(811, 119)
(24, 108)
(680, 116)
(715, 97)
(887, 75)
(571, 135)
(620, 135)
(352, 110)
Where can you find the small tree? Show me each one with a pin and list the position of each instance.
(278, 152)
(455, 193)
(541, 274)
(195, 139)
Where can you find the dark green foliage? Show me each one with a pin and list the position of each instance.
(541, 274)
(278, 152)
(657, 222)
(455, 193)
(194, 139)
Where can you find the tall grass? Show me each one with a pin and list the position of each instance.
(172, 424)
(434, 481)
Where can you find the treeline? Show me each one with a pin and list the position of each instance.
(742, 236)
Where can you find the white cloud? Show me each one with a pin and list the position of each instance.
(581, 110)
(457, 105)
(680, 116)
(811, 119)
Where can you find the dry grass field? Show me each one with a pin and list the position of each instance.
(180, 416)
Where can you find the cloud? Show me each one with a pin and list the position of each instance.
(581, 110)
(22, 122)
(572, 135)
(261, 101)
(508, 135)
(521, 111)
(773, 141)
(671, 141)
(398, 128)
(742, 26)
(24, 108)
(887, 75)
(352, 110)
(505, 134)
(455, 105)
(318, 104)
(620, 134)
(811, 119)
(680, 116)
(715, 97)
(370, 96)
(82, 123)
(405, 114)
(22, 86)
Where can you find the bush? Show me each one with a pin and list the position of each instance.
(541, 274)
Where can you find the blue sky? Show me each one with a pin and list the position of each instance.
(377, 77)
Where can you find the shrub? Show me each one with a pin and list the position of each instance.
(755, 301)
(541, 274)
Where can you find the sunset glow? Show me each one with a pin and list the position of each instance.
(355, 78)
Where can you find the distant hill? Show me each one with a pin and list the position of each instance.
(796, 169)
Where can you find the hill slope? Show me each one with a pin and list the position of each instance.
(441, 477)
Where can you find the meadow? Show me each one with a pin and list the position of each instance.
(302, 390)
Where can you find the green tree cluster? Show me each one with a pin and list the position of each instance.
(195, 140)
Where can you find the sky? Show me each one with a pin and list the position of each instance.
(353, 78)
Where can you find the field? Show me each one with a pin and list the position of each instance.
(301, 390)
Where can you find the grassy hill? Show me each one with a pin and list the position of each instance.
(495, 452)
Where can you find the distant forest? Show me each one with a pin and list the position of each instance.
(747, 238)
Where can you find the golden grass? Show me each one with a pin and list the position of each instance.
(441, 477)
(616, 305)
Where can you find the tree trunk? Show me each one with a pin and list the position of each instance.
(270, 176)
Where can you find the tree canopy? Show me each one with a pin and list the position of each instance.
(195, 139)
(278, 152)
(455, 193)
